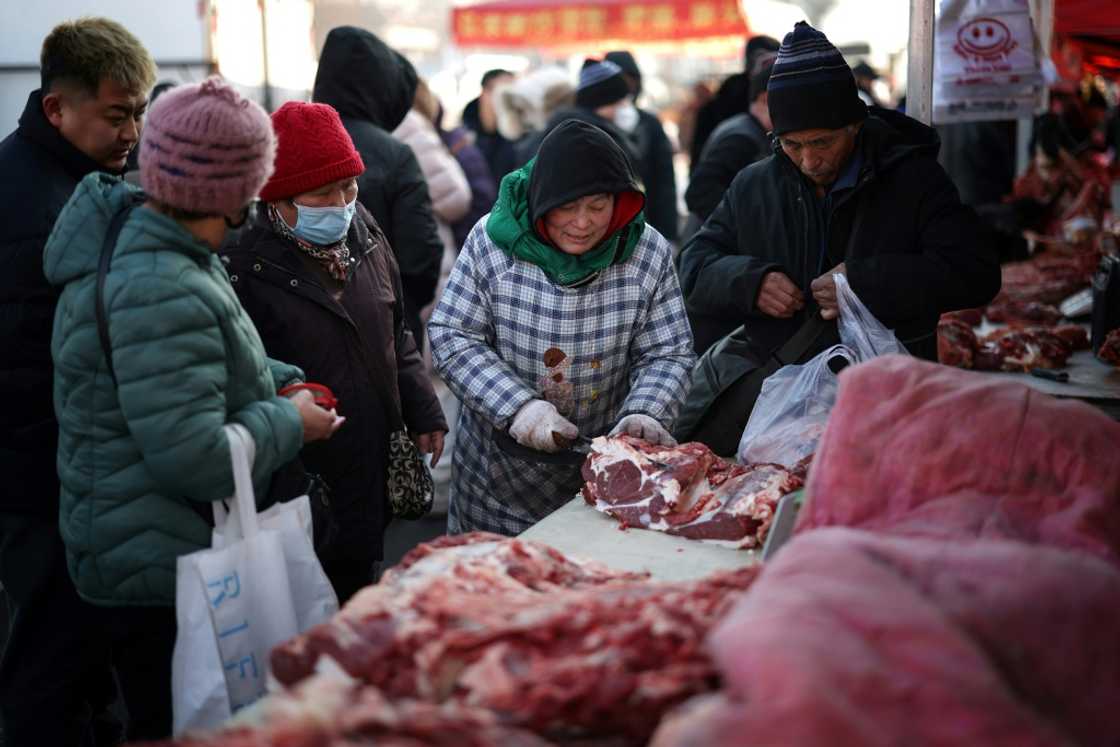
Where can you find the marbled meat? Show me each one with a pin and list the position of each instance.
(686, 490)
(556, 646)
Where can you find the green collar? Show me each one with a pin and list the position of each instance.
(510, 227)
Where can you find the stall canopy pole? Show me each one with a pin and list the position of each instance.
(919, 74)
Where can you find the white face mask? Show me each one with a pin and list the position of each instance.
(626, 116)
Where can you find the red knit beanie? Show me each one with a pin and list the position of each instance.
(312, 149)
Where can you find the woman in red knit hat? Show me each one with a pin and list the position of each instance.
(319, 279)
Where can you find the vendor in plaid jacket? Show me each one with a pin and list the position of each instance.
(562, 317)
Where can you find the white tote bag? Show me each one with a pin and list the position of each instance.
(258, 585)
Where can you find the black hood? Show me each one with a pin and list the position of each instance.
(577, 159)
(891, 137)
(363, 78)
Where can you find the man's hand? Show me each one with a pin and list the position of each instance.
(431, 443)
(824, 292)
(779, 296)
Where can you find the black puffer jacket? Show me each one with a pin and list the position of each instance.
(372, 88)
(353, 344)
(655, 166)
(911, 248)
(38, 171)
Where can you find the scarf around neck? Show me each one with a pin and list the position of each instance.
(510, 228)
(335, 258)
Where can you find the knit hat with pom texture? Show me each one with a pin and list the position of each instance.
(206, 149)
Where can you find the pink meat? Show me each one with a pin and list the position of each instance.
(849, 638)
(926, 450)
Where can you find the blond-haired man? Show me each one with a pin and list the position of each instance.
(54, 675)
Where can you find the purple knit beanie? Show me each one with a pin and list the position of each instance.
(206, 149)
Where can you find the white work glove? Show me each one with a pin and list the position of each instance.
(645, 428)
(536, 421)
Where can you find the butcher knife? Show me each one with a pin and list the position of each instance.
(782, 526)
(573, 452)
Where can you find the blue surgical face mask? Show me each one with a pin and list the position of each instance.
(323, 225)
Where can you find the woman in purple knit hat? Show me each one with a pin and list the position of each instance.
(142, 449)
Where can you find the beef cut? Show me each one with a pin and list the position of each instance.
(926, 450)
(1008, 348)
(1047, 278)
(686, 490)
(549, 644)
(1109, 351)
(1023, 312)
(848, 638)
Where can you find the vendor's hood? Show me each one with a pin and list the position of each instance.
(363, 78)
(578, 159)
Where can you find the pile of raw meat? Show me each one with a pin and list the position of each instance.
(954, 578)
(1035, 336)
(686, 490)
(1109, 351)
(483, 640)
(1009, 348)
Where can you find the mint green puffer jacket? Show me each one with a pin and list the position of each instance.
(188, 360)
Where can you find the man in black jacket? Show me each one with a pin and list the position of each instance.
(735, 144)
(480, 117)
(86, 117)
(371, 87)
(844, 192)
(655, 154)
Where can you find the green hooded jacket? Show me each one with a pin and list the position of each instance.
(133, 459)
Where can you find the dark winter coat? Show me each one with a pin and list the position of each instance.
(499, 152)
(351, 345)
(911, 248)
(372, 88)
(733, 97)
(655, 167)
(38, 172)
(735, 144)
(484, 188)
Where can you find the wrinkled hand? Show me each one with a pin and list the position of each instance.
(318, 424)
(645, 428)
(431, 443)
(536, 421)
(824, 292)
(779, 296)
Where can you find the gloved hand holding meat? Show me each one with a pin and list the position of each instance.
(645, 428)
(535, 424)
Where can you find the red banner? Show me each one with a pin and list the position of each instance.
(545, 23)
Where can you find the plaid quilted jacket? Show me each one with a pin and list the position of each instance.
(504, 334)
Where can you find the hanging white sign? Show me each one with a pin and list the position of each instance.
(986, 62)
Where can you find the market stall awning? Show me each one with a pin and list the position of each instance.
(558, 23)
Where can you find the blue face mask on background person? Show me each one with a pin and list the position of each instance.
(323, 225)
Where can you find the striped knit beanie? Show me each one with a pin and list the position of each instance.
(600, 84)
(811, 86)
(206, 149)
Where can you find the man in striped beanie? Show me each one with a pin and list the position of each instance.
(847, 190)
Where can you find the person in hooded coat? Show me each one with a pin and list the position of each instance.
(371, 87)
(844, 192)
(655, 154)
(326, 296)
(562, 316)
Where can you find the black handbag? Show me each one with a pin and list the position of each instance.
(290, 480)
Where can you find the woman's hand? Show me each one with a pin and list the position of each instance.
(645, 428)
(318, 424)
(431, 443)
(537, 424)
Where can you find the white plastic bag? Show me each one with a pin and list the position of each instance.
(259, 585)
(793, 405)
(860, 331)
(791, 410)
